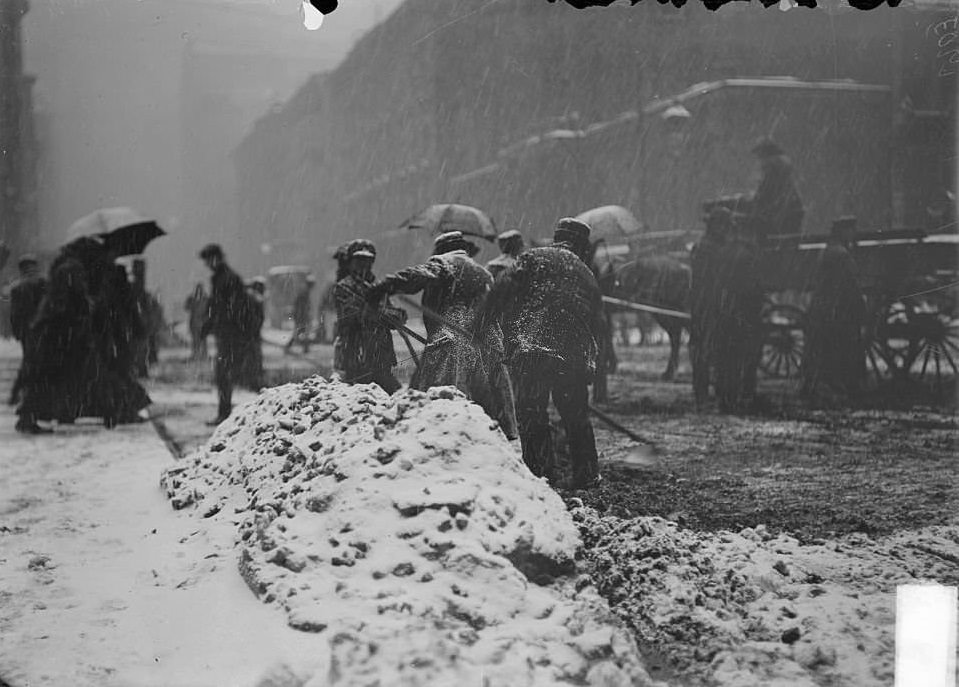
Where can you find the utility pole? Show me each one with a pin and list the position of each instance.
(17, 192)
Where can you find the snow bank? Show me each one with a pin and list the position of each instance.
(750, 608)
(408, 532)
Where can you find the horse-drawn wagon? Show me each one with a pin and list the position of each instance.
(909, 279)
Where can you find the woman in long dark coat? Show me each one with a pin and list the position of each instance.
(55, 381)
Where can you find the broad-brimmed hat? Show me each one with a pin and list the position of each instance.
(512, 234)
(26, 260)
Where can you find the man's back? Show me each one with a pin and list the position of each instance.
(550, 304)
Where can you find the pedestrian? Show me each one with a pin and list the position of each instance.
(552, 313)
(59, 374)
(302, 316)
(25, 298)
(738, 330)
(366, 353)
(835, 353)
(112, 390)
(775, 208)
(252, 374)
(705, 300)
(227, 322)
(197, 305)
(458, 352)
(149, 311)
(511, 245)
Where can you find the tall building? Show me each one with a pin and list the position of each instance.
(18, 211)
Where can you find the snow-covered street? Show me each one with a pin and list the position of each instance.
(101, 582)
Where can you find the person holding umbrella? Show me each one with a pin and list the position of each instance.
(226, 321)
(364, 344)
(552, 314)
(511, 244)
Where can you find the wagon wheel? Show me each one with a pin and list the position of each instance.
(783, 342)
(936, 347)
(922, 335)
(890, 349)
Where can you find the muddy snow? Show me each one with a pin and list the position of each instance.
(750, 608)
(407, 533)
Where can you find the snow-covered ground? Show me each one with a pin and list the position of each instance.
(102, 583)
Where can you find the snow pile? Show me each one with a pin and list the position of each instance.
(409, 533)
(750, 608)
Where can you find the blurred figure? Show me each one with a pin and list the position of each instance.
(775, 208)
(25, 298)
(302, 316)
(511, 245)
(150, 312)
(835, 353)
(706, 300)
(197, 306)
(56, 380)
(112, 390)
(453, 287)
(364, 342)
(252, 375)
(552, 314)
(227, 322)
(737, 334)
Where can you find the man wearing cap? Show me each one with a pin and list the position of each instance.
(776, 208)
(227, 321)
(552, 313)
(25, 298)
(302, 312)
(364, 345)
(834, 354)
(511, 244)
(456, 354)
(252, 372)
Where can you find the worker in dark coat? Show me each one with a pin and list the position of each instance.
(834, 354)
(705, 300)
(342, 257)
(552, 314)
(150, 312)
(456, 354)
(775, 208)
(25, 298)
(302, 316)
(738, 330)
(55, 382)
(228, 321)
(364, 342)
(511, 245)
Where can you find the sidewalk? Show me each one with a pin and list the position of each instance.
(102, 583)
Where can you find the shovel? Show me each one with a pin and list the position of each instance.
(645, 453)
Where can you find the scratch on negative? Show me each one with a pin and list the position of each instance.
(454, 21)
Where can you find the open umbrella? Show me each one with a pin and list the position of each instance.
(437, 219)
(611, 223)
(122, 230)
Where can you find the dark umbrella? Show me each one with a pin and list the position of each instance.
(121, 230)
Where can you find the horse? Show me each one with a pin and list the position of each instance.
(657, 280)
